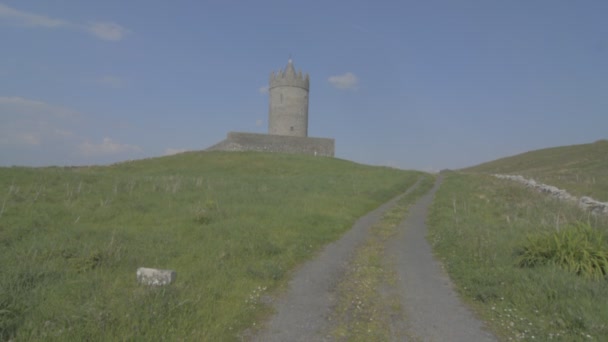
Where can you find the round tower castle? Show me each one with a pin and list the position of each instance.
(287, 121)
(288, 110)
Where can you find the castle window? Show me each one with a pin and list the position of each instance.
(291, 128)
(281, 98)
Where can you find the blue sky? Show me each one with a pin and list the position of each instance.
(412, 84)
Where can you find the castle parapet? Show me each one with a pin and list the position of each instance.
(289, 78)
(240, 141)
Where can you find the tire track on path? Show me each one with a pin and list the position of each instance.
(302, 313)
(433, 312)
(432, 308)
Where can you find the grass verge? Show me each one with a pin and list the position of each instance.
(231, 224)
(478, 227)
(579, 169)
(366, 308)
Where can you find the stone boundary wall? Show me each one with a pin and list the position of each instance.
(239, 141)
(586, 203)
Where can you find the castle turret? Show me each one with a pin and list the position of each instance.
(288, 110)
(287, 121)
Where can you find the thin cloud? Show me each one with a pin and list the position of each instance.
(27, 122)
(107, 31)
(107, 147)
(111, 81)
(103, 30)
(30, 19)
(21, 139)
(20, 106)
(345, 81)
(361, 28)
(263, 90)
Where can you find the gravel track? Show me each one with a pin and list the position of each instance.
(302, 313)
(432, 309)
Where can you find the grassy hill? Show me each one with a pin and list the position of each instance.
(580, 169)
(232, 225)
(533, 267)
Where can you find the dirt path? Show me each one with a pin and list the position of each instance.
(302, 313)
(432, 309)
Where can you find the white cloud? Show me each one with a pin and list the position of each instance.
(259, 122)
(111, 81)
(263, 90)
(25, 122)
(107, 31)
(27, 139)
(34, 132)
(103, 30)
(346, 81)
(106, 148)
(170, 151)
(21, 106)
(30, 19)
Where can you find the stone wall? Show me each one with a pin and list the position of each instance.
(239, 141)
(288, 112)
(585, 202)
(288, 99)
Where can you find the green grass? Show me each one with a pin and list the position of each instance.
(479, 226)
(580, 169)
(233, 225)
(578, 248)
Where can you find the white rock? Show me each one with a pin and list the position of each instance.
(155, 277)
(587, 203)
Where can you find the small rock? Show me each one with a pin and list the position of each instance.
(155, 277)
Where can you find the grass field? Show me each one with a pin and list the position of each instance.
(479, 226)
(232, 225)
(580, 169)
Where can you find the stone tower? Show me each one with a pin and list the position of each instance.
(288, 110)
(287, 121)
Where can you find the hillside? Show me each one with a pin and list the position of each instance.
(232, 225)
(480, 226)
(580, 169)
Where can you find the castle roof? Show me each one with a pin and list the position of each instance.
(289, 69)
(288, 77)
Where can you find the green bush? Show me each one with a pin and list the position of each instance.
(578, 248)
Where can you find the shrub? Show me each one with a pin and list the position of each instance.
(578, 248)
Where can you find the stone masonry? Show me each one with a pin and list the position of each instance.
(586, 203)
(288, 102)
(239, 141)
(287, 120)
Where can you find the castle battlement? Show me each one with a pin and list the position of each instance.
(287, 120)
(289, 78)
